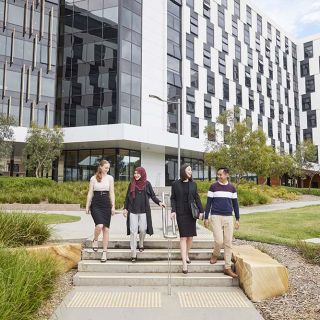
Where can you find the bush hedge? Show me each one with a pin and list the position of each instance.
(22, 229)
(26, 281)
(33, 190)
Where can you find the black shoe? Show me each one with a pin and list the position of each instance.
(188, 261)
(184, 271)
(133, 260)
(141, 249)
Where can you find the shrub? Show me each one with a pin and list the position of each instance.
(19, 229)
(310, 251)
(26, 281)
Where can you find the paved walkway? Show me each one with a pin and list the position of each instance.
(141, 303)
(83, 229)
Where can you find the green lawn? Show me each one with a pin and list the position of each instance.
(286, 227)
(57, 218)
(281, 227)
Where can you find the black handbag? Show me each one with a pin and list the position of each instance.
(194, 209)
(193, 205)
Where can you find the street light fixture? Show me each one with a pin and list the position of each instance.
(178, 102)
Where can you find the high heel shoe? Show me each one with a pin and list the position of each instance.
(95, 245)
(104, 256)
(184, 271)
(188, 261)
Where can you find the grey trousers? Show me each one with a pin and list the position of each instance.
(138, 222)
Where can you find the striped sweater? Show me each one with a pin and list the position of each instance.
(222, 200)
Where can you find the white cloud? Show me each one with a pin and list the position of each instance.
(294, 16)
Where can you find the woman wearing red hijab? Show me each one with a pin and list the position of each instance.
(137, 210)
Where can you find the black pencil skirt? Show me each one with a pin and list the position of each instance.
(186, 222)
(101, 208)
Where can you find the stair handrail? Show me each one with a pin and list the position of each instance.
(166, 233)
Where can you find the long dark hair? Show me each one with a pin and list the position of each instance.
(99, 169)
(183, 175)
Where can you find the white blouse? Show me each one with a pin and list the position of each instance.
(104, 185)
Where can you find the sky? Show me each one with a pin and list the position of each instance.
(300, 18)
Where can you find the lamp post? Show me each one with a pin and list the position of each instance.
(177, 102)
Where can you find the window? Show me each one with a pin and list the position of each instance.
(222, 65)
(239, 95)
(286, 97)
(272, 109)
(206, 58)
(260, 122)
(269, 30)
(190, 49)
(210, 84)
(190, 3)
(310, 84)
(260, 66)
(210, 35)
(173, 49)
(237, 8)
(246, 35)
(173, 64)
(194, 25)
(308, 50)
(194, 77)
(281, 112)
(304, 68)
(248, 79)
(270, 128)
(234, 27)
(289, 117)
(288, 134)
(285, 62)
(288, 81)
(279, 131)
(207, 109)
(195, 127)
(259, 87)
(259, 24)
(294, 50)
(269, 90)
(312, 119)
(278, 93)
(206, 8)
(270, 70)
(267, 49)
(221, 17)
(278, 41)
(306, 102)
(238, 52)
(235, 72)
(279, 75)
(277, 56)
(250, 59)
(225, 42)
(249, 16)
(307, 134)
(251, 101)
(286, 45)
(190, 103)
(226, 89)
(258, 48)
(224, 3)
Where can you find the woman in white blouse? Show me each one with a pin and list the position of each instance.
(101, 205)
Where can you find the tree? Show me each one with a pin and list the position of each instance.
(43, 146)
(6, 136)
(306, 157)
(242, 150)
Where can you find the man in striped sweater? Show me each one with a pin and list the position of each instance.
(222, 201)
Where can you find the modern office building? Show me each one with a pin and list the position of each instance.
(90, 66)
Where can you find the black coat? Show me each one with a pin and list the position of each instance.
(149, 193)
(177, 201)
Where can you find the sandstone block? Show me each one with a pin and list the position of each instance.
(260, 276)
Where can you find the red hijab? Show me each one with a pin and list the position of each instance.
(139, 184)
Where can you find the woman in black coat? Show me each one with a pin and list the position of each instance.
(182, 192)
(137, 210)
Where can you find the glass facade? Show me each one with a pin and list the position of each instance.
(82, 164)
(28, 56)
(94, 37)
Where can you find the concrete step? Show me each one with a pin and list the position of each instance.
(152, 279)
(147, 266)
(148, 254)
(153, 244)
